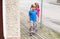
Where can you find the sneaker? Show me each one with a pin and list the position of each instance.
(30, 34)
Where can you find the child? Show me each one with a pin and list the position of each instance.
(38, 11)
(33, 19)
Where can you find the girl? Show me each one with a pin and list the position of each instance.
(38, 11)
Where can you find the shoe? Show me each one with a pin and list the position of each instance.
(30, 34)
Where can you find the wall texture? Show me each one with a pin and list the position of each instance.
(12, 18)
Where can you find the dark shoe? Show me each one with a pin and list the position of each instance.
(30, 34)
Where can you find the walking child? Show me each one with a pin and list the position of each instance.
(33, 19)
(38, 12)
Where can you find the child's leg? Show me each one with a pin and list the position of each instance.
(35, 27)
(31, 28)
(38, 22)
(31, 25)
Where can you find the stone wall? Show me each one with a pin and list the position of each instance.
(12, 18)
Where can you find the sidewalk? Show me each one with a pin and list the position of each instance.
(43, 32)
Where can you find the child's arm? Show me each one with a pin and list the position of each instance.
(29, 17)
